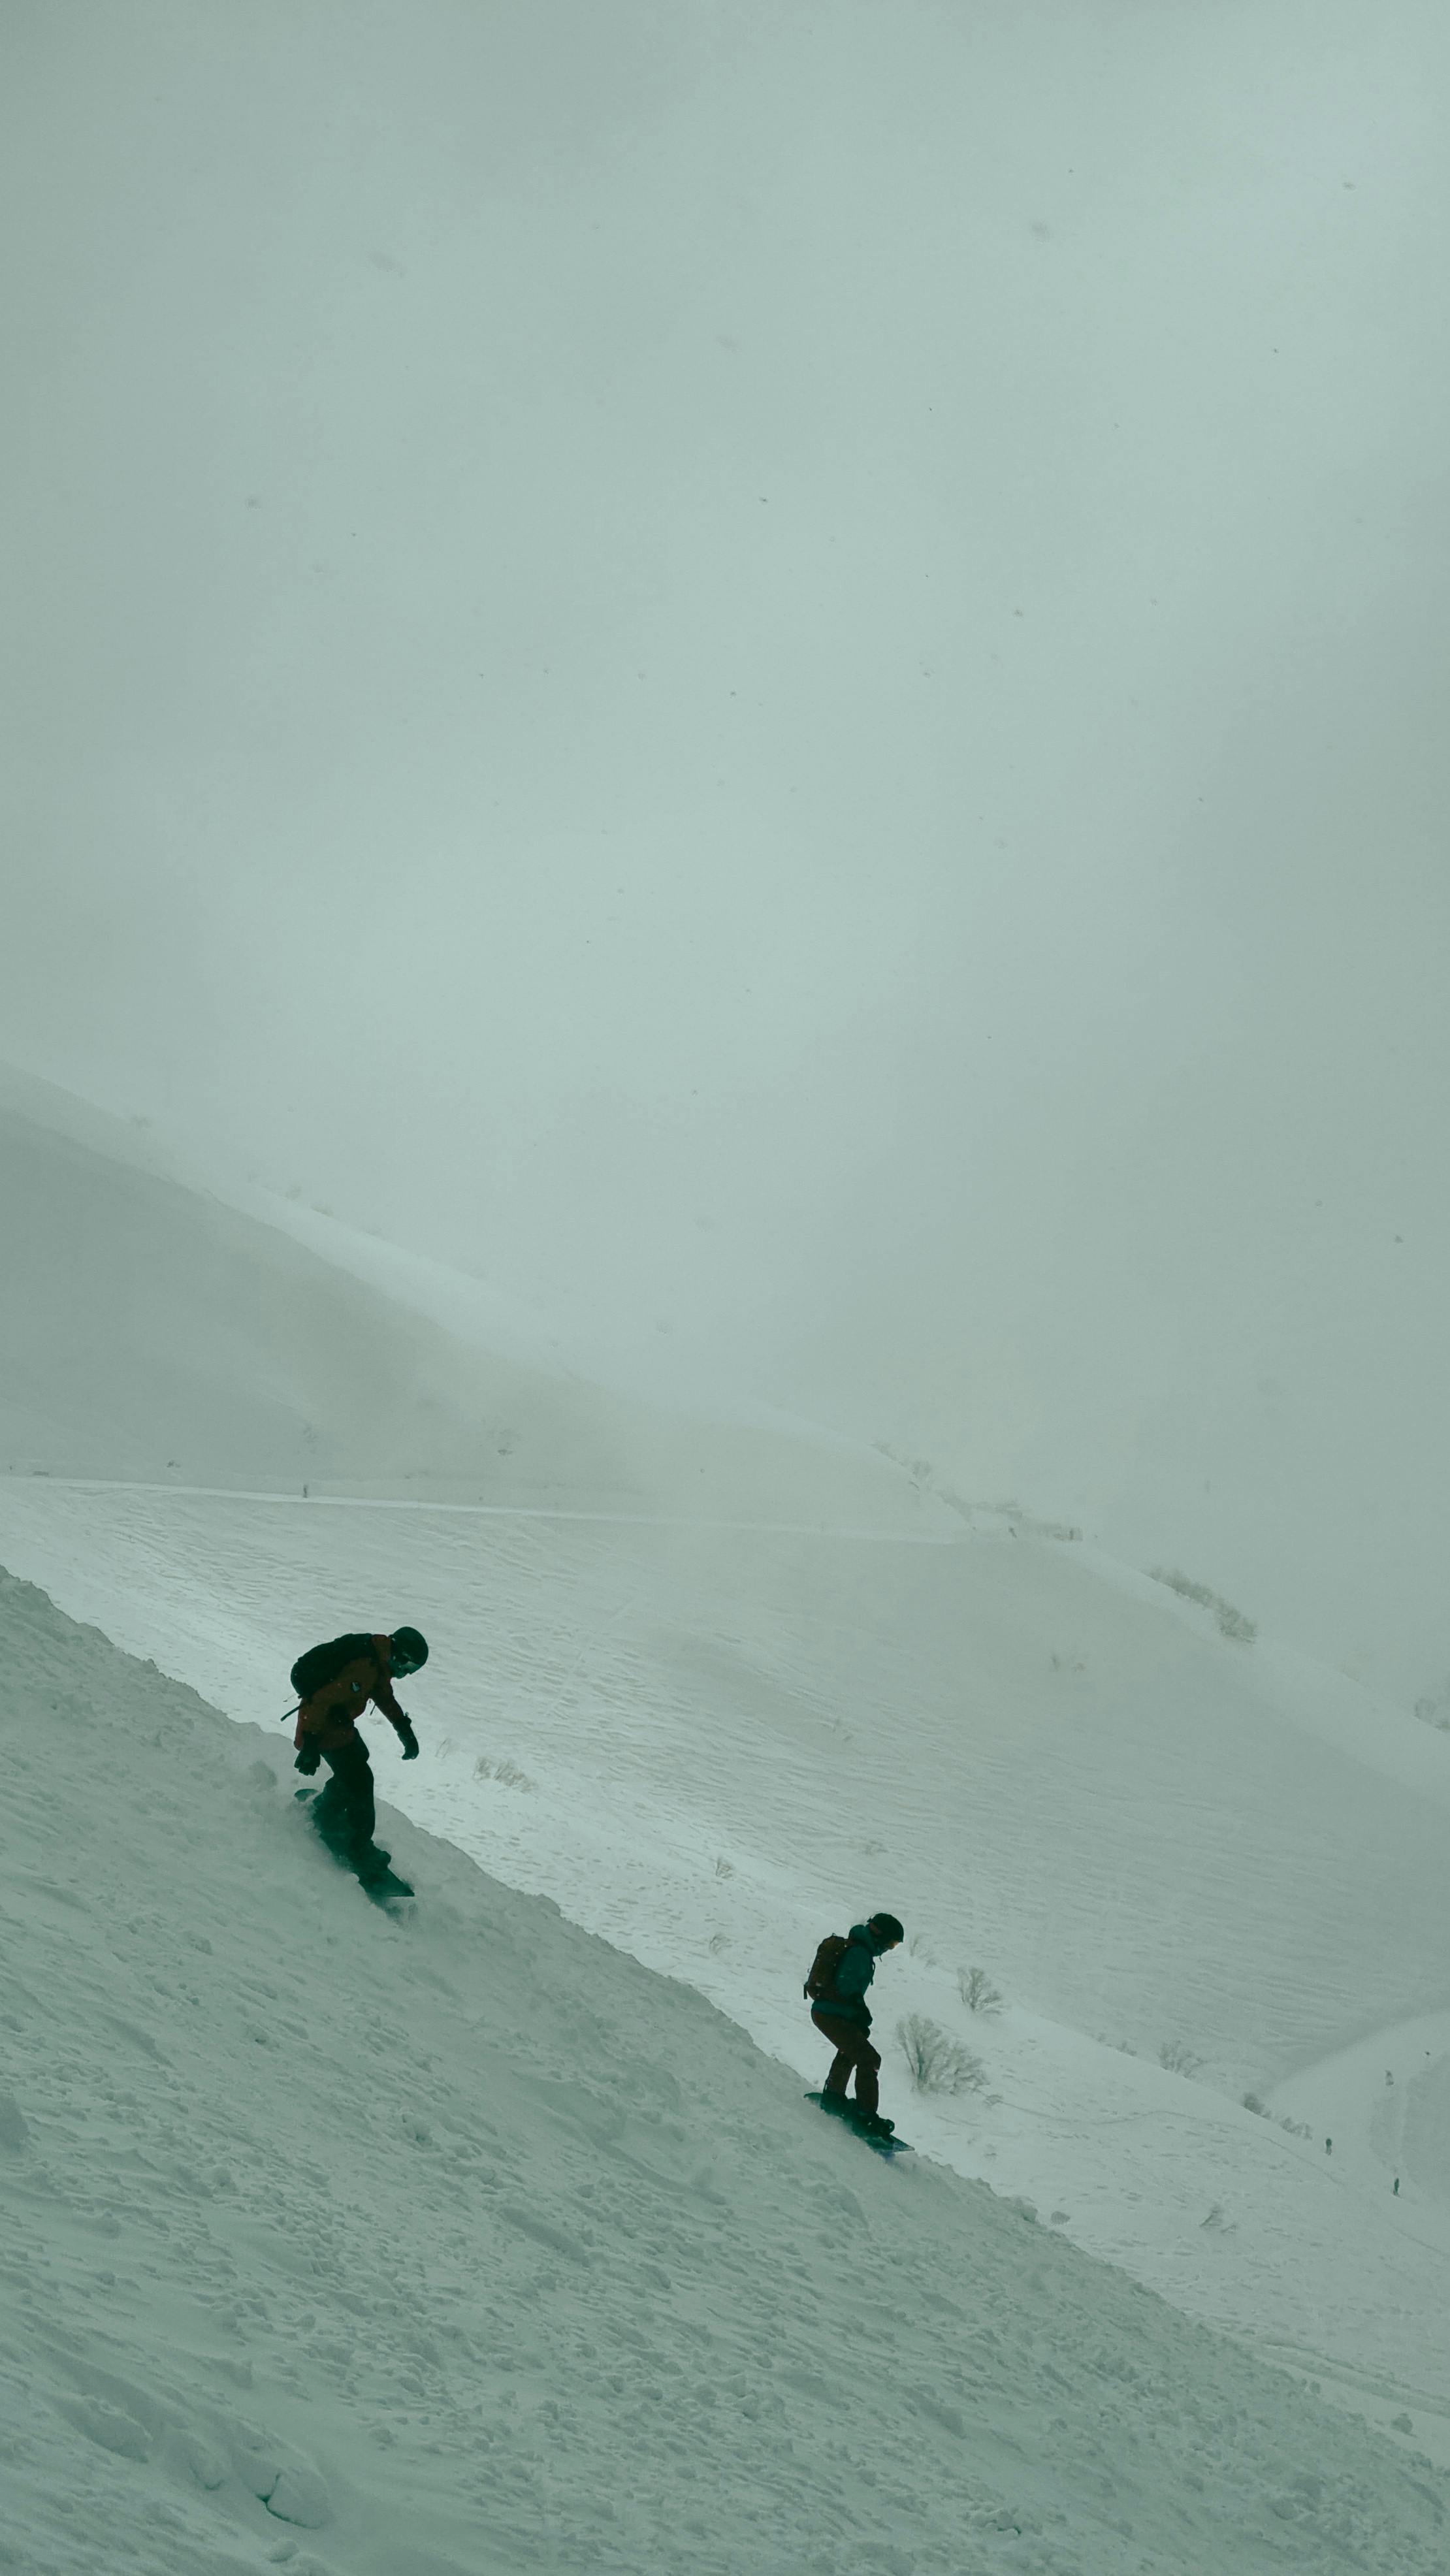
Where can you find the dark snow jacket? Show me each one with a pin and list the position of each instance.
(847, 1998)
(328, 1719)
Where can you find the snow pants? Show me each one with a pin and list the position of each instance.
(853, 2047)
(345, 1812)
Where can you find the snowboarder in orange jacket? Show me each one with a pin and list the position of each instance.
(338, 1682)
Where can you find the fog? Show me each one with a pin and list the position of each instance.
(778, 676)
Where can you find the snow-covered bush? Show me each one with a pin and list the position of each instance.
(977, 1991)
(935, 2061)
(1231, 1622)
(1178, 2057)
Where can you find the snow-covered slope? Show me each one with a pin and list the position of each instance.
(710, 1742)
(149, 1331)
(472, 2245)
(710, 1745)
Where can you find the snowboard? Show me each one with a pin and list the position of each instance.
(370, 1869)
(393, 1894)
(892, 2146)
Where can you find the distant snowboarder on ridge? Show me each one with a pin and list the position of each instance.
(335, 1683)
(840, 1973)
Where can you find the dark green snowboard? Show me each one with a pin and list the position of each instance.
(889, 2145)
(369, 1867)
(385, 1888)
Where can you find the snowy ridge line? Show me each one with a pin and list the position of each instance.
(496, 1511)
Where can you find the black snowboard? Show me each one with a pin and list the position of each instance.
(881, 2146)
(393, 1894)
(369, 1867)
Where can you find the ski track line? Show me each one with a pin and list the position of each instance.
(495, 1511)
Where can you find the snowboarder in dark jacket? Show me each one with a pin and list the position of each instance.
(358, 1672)
(842, 2016)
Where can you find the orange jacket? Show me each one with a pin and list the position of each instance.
(329, 1718)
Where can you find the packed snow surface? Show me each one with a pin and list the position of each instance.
(468, 2243)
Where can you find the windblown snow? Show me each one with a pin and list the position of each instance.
(471, 2244)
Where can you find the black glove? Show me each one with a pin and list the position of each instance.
(408, 1740)
(308, 1760)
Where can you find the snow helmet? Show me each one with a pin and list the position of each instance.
(886, 1928)
(410, 1650)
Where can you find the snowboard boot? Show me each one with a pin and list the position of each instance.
(372, 1868)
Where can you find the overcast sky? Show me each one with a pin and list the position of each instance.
(779, 674)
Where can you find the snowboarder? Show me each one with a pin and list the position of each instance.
(836, 1991)
(337, 1682)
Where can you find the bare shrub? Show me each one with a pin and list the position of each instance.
(935, 2061)
(507, 1774)
(1252, 2103)
(1178, 2057)
(926, 1478)
(1231, 1622)
(977, 1991)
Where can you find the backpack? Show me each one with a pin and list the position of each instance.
(822, 1978)
(322, 1664)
